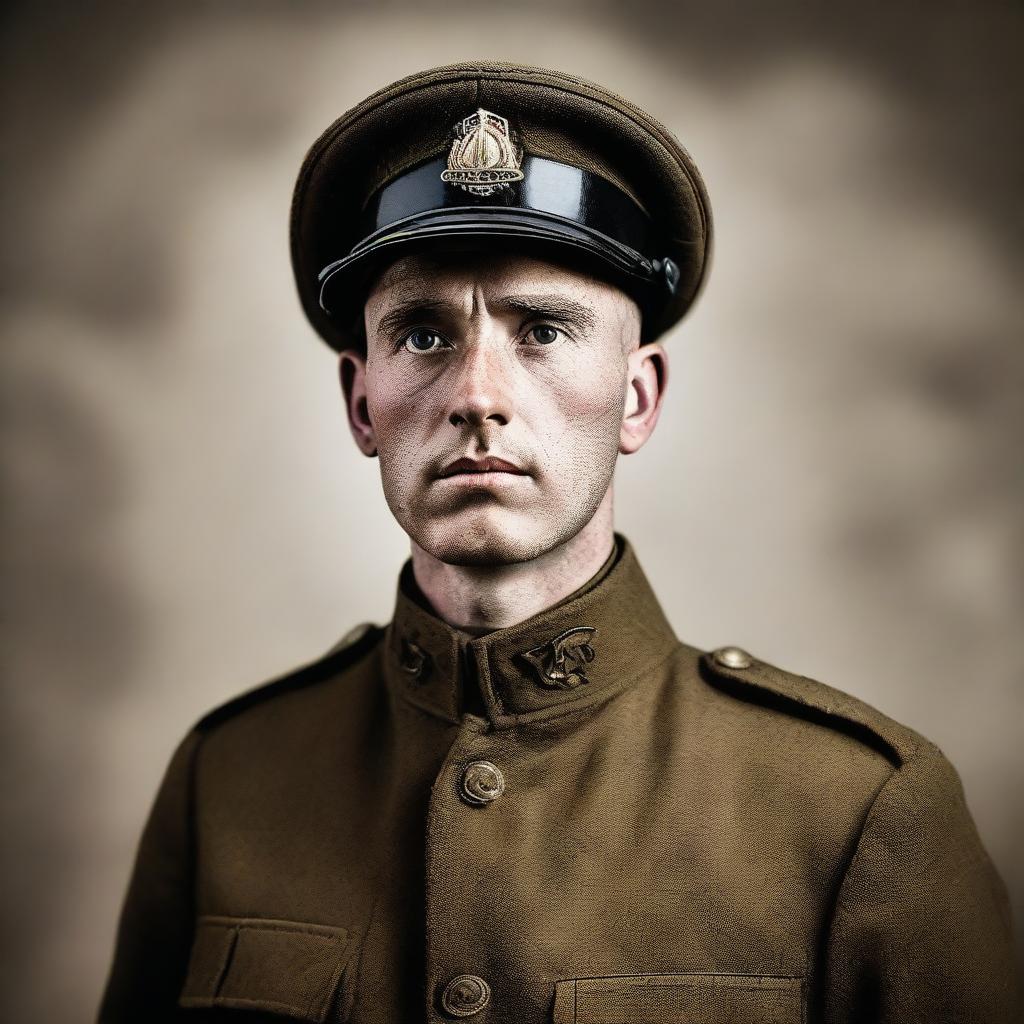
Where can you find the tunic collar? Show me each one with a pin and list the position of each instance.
(599, 640)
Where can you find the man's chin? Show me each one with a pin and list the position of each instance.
(485, 537)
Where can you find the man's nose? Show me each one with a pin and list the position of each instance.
(481, 390)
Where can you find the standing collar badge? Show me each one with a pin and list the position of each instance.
(561, 663)
(413, 661)
(484, 157)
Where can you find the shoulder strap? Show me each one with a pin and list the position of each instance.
(733, 670)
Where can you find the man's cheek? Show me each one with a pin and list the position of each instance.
(590, 412)
(395, 418)
(401, 400)
(587, 384)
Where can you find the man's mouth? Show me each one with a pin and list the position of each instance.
(470, 467)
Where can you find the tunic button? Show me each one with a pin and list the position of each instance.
(465, 995)
(732, 657)
(482, 782)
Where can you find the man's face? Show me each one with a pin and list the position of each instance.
(495, 390)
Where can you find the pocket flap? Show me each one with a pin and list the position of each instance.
(679, 999)
(281, 967)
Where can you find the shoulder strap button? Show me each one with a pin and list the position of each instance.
(732, 657)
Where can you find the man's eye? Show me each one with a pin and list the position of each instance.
(544, 334)
(423, 340)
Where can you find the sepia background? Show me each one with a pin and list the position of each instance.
(836, 483)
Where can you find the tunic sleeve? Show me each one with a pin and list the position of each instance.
(155, 931)
(921, 929)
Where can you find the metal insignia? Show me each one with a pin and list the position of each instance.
(414, 660)
(484, 157)
(561, 663)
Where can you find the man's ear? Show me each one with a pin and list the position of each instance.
(352, 371)
(647, 378)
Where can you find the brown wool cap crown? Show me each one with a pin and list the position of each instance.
(369, 190)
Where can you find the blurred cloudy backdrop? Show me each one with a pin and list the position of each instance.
(836, 483)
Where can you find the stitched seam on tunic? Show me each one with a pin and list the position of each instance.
(241, 1002)
(358, 984)
(427, 708)
(858, 850)
(273, 924)
(226, 965)
(837, 904)
(692, 974)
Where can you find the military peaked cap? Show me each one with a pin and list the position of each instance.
(514, 157)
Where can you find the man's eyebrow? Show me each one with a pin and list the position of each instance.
(557, 308)
(551, 307)
(405, 314)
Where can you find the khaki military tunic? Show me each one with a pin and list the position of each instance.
(578, 819)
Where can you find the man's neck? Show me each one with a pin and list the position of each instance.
(478, 599)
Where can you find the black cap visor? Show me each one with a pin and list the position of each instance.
(559, 212)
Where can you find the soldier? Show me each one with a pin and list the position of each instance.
(525, 800)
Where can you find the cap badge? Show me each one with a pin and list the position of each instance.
(484, 157)
(561, 663)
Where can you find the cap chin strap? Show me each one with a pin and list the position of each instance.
(477, 222)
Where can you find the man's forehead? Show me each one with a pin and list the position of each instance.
(422, 275)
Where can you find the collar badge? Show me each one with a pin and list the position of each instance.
(484, 157)
(413, 661)
(561, 663)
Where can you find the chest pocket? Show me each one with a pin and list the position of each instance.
(284, 968)
(680, 999)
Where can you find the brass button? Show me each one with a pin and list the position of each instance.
(465, 995)
(482, 782)
(732, 657)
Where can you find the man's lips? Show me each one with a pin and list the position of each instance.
(475, 466)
